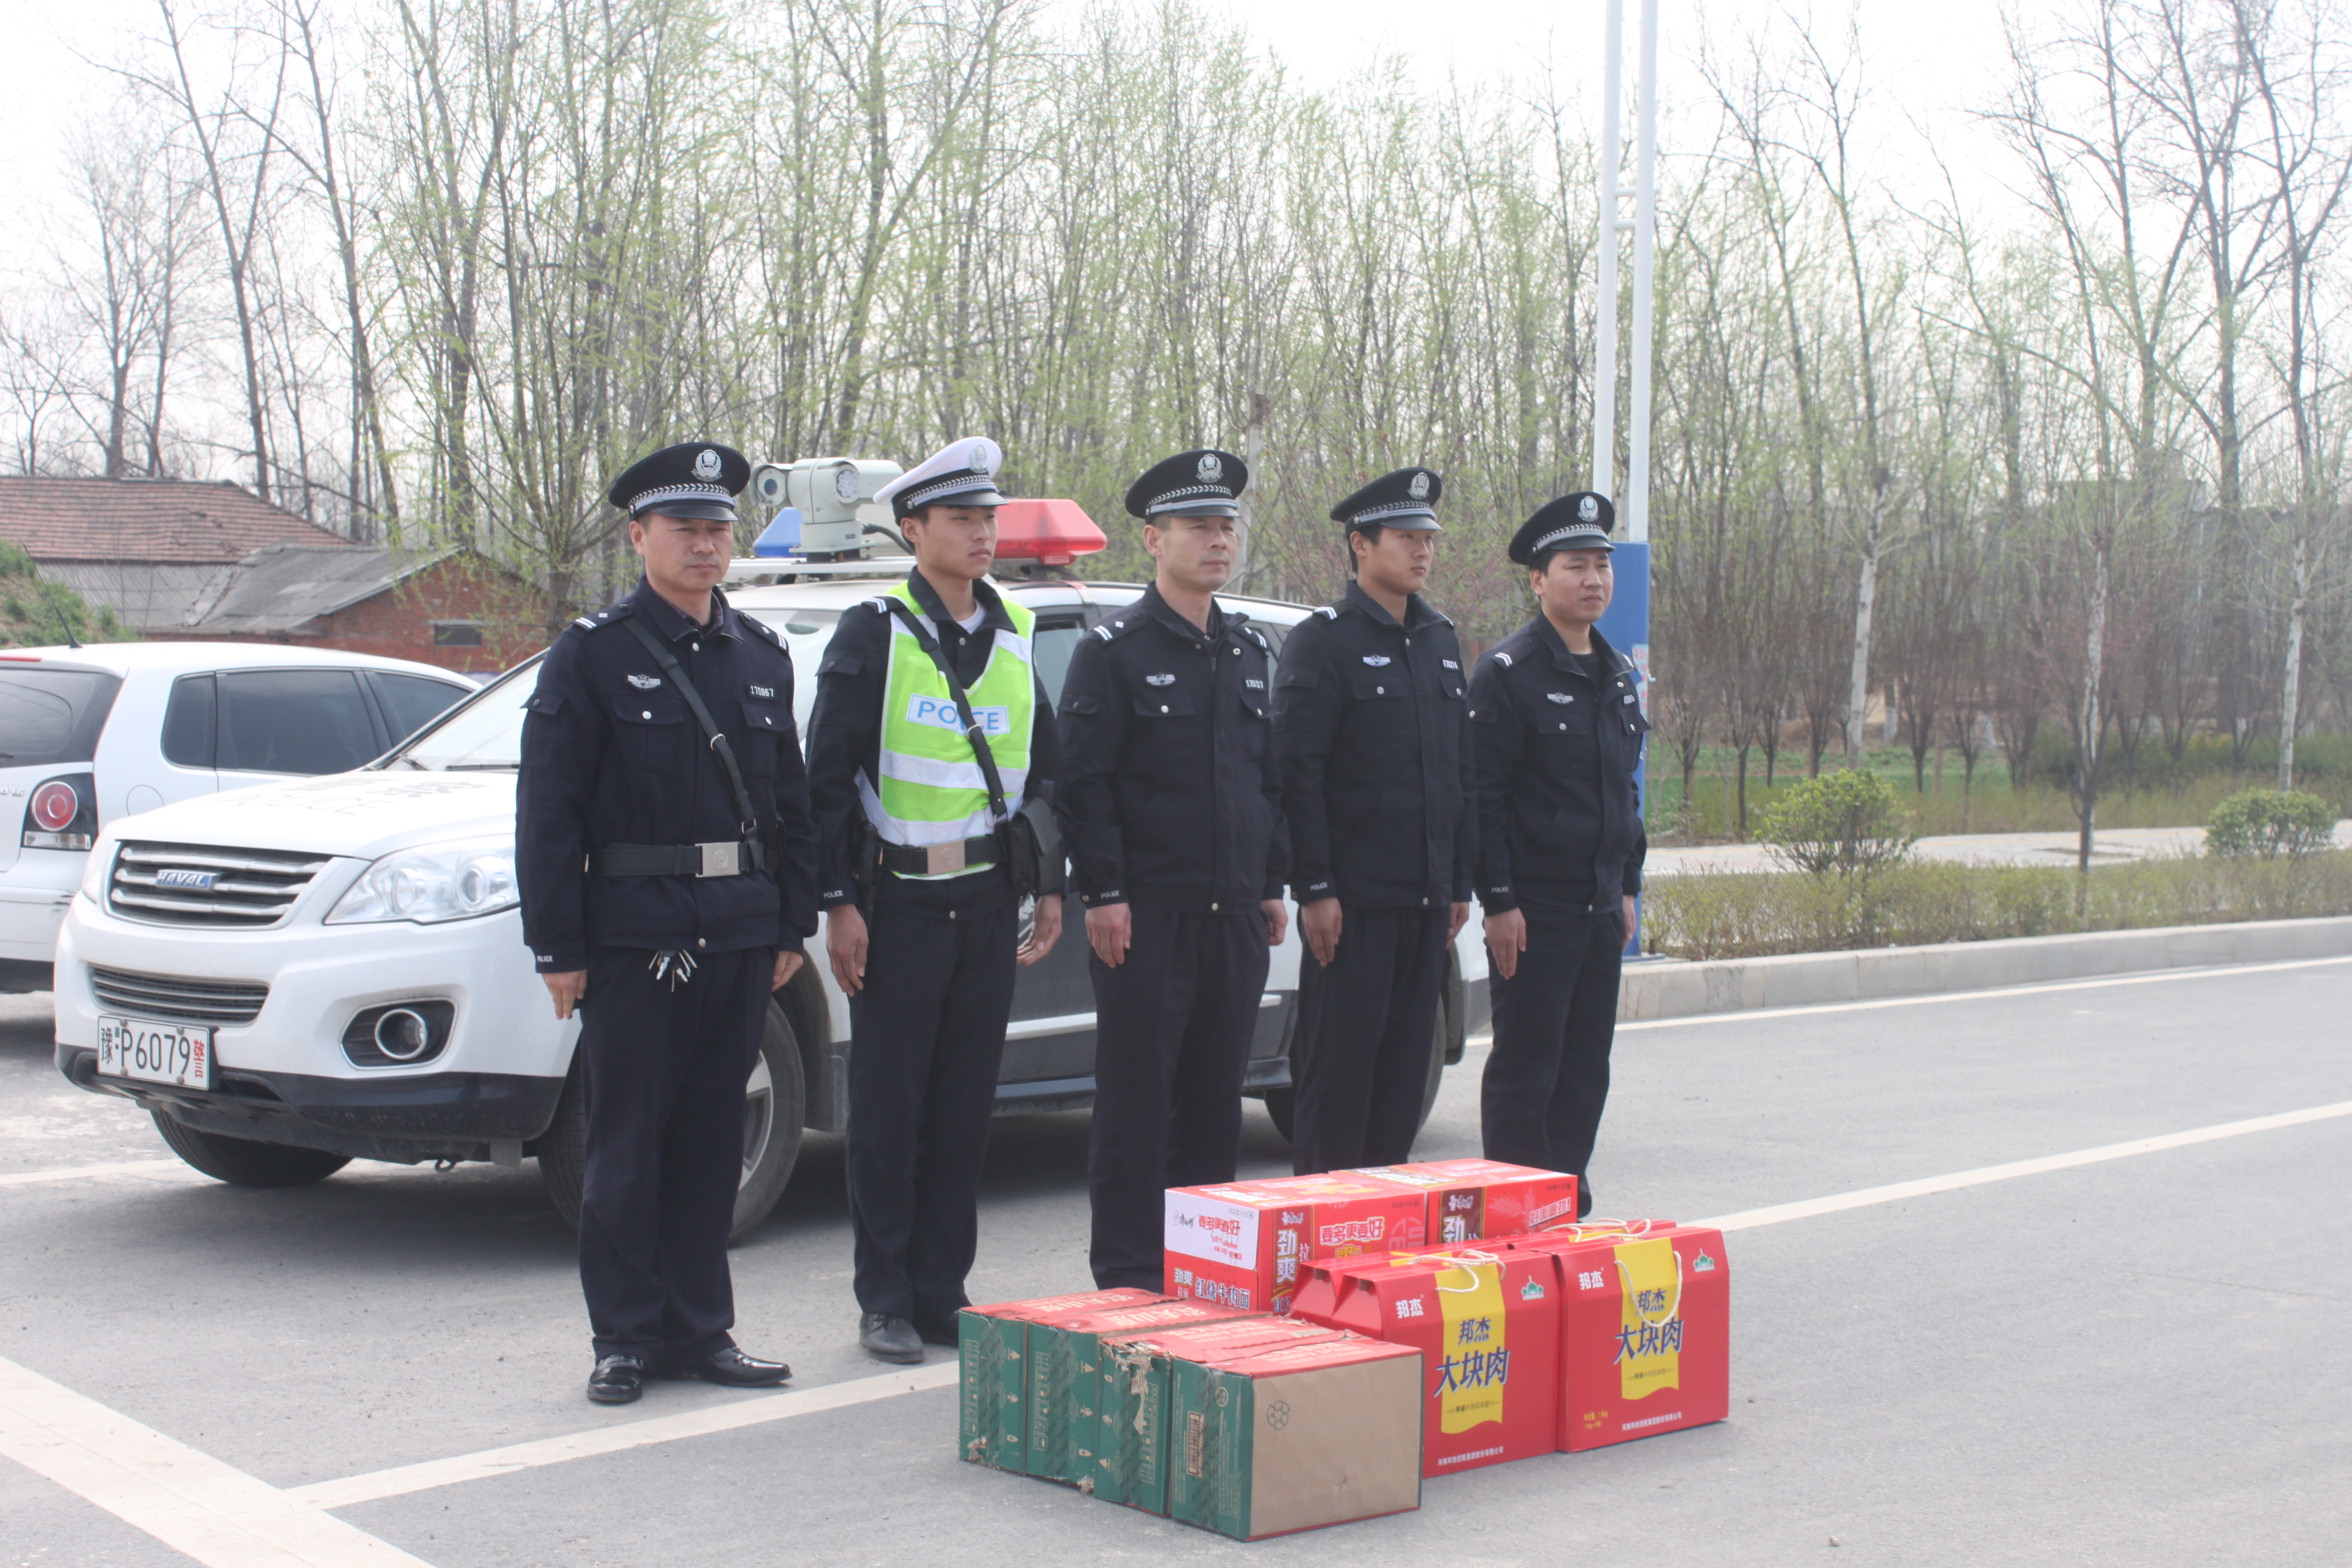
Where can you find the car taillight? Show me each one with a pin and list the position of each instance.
(62, 814)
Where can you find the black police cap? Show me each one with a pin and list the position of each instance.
(693, 479)
(1404, 499)
(1579, 521)
(1200, 483)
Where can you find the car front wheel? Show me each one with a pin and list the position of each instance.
(247, 1162)
(775, 1103)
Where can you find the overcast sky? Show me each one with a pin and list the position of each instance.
(1931, 60)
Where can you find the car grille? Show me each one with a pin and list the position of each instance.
(191, 885)
(178, 1000)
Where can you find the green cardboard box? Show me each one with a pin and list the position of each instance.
(1065, 1375)
(1129, 1452)
(1295, 1438)
(992, 1352)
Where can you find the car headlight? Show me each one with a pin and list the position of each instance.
(96, 869)
(436, 883)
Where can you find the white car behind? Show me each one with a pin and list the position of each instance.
(93, 734)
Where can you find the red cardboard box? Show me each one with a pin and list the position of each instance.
(1487, 1325)
(1647, 1340)
(1247, 1243)
(1469, 1200)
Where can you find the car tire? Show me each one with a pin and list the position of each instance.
(246, 1162)
(1444, 1041)
(775, 1114)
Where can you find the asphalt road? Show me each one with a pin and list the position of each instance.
(2139, 1360)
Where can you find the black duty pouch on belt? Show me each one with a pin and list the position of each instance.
(865, 863)
(1033, 856)
(764, 844)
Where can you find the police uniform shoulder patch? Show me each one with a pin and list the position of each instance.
(1329, 612)
(1502, 658)
(1123, 626)
(763, 631)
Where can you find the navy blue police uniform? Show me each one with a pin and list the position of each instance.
(636, 866)
(928, 1023)
(1371, 722)
(1557, 737)
(1170, 804)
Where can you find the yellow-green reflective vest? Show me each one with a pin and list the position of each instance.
(932, 790)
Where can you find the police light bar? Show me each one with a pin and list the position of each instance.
(1051, 533)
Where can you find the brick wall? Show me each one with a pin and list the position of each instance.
(399, 622)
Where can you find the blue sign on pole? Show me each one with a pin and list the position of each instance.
(1627, 626)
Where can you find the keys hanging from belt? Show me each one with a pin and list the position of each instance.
(673, 966)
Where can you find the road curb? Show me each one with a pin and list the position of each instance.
(1673, 989)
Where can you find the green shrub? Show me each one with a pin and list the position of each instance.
(1750, 914)
(1846, 821)
(2268, 823)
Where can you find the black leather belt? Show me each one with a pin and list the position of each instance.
(727, 858)
(938, 860)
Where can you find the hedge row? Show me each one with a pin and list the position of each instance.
(1752, 914)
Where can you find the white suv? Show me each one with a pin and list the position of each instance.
(88, 735)
(303, 974)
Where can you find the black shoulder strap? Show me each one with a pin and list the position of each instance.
(702, 715)
(955, 688)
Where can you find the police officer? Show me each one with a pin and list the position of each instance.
(1370, 720)
(1557, 728)
(929, 974)
(1171, 806)
(667, 879)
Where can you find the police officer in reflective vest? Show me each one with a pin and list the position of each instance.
(1371, 721)
(667, 875)
(1171, 807)
(908, 826)
(1557, 727)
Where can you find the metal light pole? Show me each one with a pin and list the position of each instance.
(1627, 623)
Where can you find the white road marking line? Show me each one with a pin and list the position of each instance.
(1753, 1014)
(190, 1501)
(618, 1438)
(1896, 1192)
(777, 1407)
(92, 1172)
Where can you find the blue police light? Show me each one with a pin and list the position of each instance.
(782, 536)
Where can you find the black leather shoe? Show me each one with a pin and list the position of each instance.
(934, 1328)
(889, 1339)
(617, 1380)
(731, 1368)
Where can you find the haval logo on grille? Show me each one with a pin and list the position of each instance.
(201, 881)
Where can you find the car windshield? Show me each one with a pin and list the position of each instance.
(484, 733)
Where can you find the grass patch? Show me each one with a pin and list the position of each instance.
(1751, 914)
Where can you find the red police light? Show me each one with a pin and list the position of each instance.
(55, 805)
(1051, 533)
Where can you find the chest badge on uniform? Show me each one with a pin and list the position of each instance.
(1159, 680)
(645, 682)
(1559, 696)
(1254, 685)
(766, 692)
(1449, 664)
(1376, 659)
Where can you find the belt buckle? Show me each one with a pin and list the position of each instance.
(721, 860)
(942, 859)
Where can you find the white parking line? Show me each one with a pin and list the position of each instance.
(2151, 977)
(776, 1407)
(623, 1436)
(190, 1501)
(92, 1172)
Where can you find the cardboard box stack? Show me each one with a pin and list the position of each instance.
(1435, 1317)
